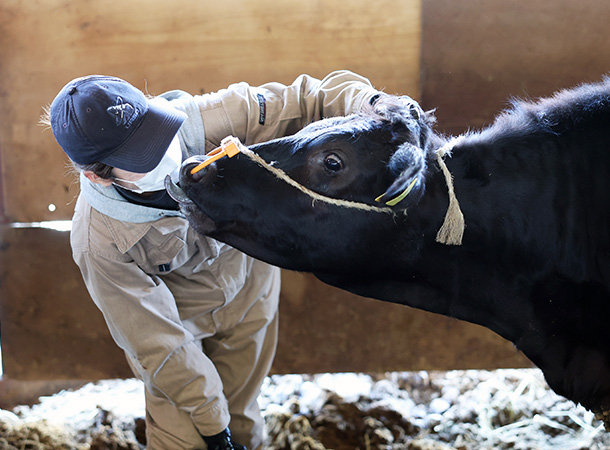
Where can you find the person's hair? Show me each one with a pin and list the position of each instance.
(100, 169)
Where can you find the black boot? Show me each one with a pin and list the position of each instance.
(222, 441)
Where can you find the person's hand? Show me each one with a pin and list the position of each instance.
(222, 441)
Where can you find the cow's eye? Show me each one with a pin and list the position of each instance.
(333, 163)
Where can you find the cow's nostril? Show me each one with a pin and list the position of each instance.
(197, 175)
(187, 171)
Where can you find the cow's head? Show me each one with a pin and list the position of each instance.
(313, 197)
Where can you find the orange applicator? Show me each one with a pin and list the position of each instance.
(229, 146)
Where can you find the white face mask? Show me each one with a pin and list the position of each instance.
(155, 179)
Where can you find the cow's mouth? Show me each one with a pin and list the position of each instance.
(187, 179)
(197, 218)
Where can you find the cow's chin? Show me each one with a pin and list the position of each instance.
(197, 219)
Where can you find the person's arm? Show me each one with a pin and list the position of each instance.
(257, 114)
(143, 319)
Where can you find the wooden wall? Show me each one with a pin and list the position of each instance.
(193, 45)
(477, 54)
(463, 58)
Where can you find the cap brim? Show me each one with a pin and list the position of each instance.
(144, 149)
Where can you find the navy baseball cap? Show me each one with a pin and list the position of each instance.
(105, 119)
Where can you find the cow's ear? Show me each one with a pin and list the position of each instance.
(408, 162)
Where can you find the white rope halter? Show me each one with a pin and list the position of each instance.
(450, 233)
(279, 173)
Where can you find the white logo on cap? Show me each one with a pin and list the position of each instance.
(124, 113)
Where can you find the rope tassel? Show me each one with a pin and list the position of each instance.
(452, 230)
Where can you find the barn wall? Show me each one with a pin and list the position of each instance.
(464, 58)
(50, 328)
(478, 54)
(197, 46)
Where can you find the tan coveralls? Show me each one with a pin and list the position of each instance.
(196, 318)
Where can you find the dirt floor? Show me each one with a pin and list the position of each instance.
(464, 410)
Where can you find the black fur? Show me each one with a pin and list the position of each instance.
(534, 188)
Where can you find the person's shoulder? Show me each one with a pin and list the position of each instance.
(94, 233)
(172, 95)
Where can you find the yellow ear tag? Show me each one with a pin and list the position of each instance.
(401, 197)
(229, 146)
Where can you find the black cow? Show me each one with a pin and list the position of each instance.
(534, 189)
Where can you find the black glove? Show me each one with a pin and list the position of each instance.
(222, 441)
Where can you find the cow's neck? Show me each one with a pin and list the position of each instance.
(477, 281)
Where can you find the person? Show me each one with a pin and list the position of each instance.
(197, 319)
